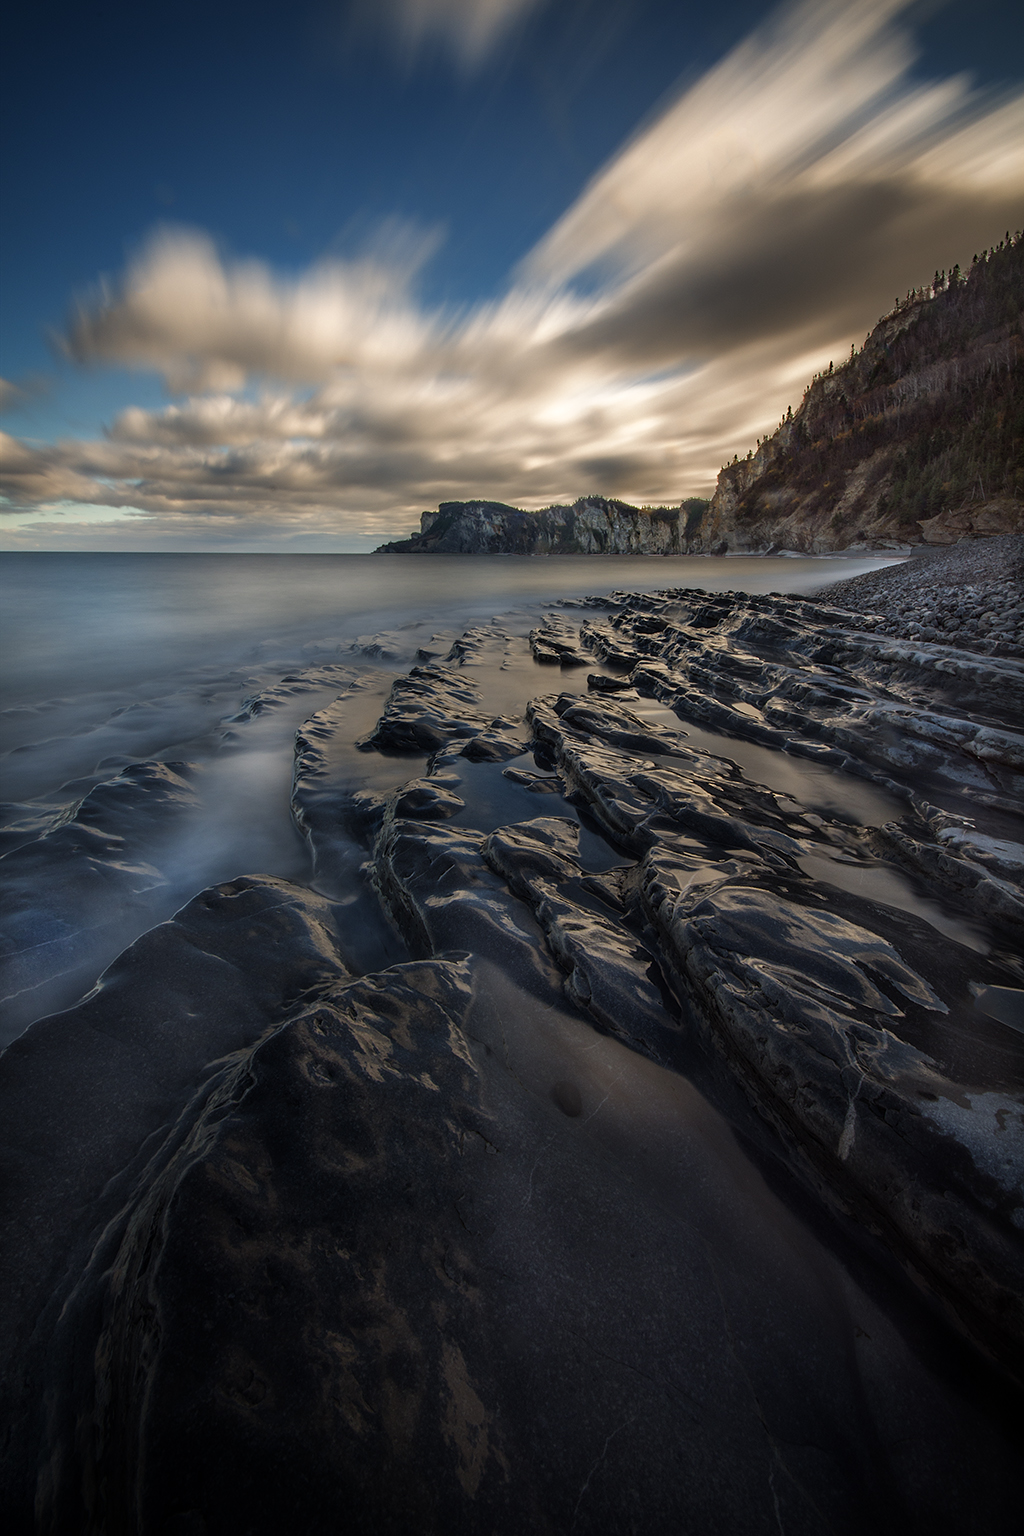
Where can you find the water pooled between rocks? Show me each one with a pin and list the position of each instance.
(586, 1095)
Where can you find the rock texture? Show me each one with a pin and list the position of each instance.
(594, 525)
(970, 596)
(94, 1099)
(70, 891)
(669, 1180)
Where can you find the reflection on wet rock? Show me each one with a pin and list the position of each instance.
(91, 1096)
(609, 973)
(433, 708)
(805, 1004)
(649, 1164)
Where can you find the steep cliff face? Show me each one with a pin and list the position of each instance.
(594, 525)
(916, 438)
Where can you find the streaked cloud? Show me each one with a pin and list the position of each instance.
(471, 30)
(760, 223)
(207, 324)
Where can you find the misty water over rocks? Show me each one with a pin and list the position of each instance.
(558, 1058)
(215, 661)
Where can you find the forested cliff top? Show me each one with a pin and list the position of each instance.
(914, 439)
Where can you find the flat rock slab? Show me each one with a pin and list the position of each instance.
(434, 707)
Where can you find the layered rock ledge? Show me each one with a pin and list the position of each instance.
(627, 1135)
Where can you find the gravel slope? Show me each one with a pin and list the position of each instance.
(970, 595)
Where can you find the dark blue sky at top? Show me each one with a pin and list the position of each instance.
(288, 136)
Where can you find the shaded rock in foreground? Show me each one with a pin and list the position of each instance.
(89, 1099)
(390, 1283)
(838, 1038)
(800, 1001)
(433, 707)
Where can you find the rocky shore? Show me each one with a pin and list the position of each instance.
(969, 595)
(626, 1134)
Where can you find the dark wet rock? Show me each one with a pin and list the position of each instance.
(610, 974)
(640, 802)
(339, 817)
(708, 838)
(486, 645)
(557, 643)
(434, 708)
(582, 1220)
(277, 1259)
(601, 683)
(427, 800)
(804, 1003)
(88, 1097)
(988, 870)
(610, 721)
(790, 675)
(607, 644)
(388, 645)
(388, 1282)
(442, 896)
(78, 886)
(275, 695)
(538, 783)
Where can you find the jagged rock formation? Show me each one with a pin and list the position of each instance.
(915, 438)
(608, 1203)
(594, 525)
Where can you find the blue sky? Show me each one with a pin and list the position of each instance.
(280, 277)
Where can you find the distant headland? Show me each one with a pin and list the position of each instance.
(915, 439)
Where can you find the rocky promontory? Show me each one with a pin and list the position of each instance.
(625, 1135)
(593, 525)
(914, 439)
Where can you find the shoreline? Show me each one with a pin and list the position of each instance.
(662, 1000)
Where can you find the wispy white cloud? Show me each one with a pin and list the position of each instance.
(207, 324)
(758, 224)
(471, 30)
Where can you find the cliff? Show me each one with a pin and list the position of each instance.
(594, 525)
(916, 438)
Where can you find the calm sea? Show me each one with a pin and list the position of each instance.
(81, 623)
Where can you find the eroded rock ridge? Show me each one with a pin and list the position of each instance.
(627, 1135)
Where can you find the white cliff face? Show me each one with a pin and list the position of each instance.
(606, 528)
(592, 526)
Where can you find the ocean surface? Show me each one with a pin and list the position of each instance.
(73, 624)
(110, 660)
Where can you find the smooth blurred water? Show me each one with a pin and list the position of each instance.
(112, 660)
(82, 623)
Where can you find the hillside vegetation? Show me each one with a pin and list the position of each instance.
(925, 423)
